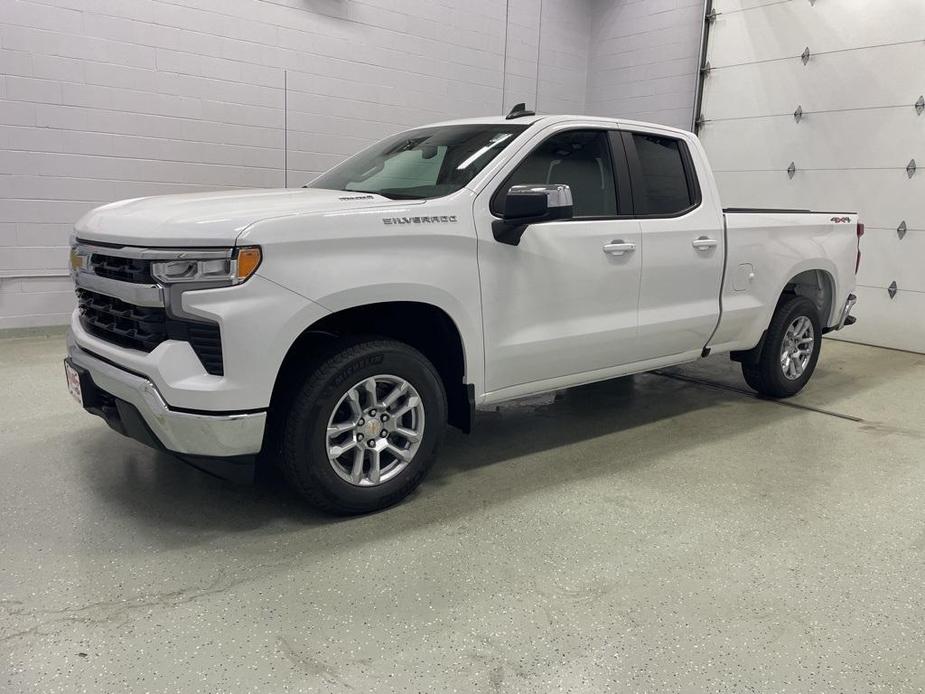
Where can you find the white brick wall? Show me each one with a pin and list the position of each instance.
(644, 59)
(559, 43)
(108, 99)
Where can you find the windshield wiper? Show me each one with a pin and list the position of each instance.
(401, 196)
(390, 196)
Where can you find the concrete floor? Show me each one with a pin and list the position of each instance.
(647, 534)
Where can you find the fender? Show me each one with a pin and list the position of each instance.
(421, 294)
(814, 264)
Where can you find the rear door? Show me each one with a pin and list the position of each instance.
(682, 242)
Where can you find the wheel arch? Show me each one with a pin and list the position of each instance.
(808, 280)
(425, 326)
(816, 284)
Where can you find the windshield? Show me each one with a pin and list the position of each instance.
(423, 163)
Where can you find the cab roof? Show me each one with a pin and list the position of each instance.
(553, 119)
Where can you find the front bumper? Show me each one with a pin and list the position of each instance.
(132, 405)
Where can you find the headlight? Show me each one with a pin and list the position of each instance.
(78, 260)
(234, 270)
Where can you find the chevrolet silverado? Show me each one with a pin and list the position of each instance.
(337, 328)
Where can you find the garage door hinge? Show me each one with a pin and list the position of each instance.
(910, 168)
(711, 15)
(920, 105)
(812, 2)
(892, 289)
(798, 114)
(705, 70)
(698, 124)
(805, 55)
(901, 229)
(792, 169)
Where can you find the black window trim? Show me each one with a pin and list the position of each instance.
(637, 178)
(620, 170)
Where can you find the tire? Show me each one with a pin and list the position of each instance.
(770, 374)
(333, 393)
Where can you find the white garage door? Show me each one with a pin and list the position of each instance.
(844, 114)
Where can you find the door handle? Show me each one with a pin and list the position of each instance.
(704, 243)
(619, 247)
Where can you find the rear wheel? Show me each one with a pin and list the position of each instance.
(364, 428)
(791, 349)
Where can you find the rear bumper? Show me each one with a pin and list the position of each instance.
(846, 318)
(133, 406)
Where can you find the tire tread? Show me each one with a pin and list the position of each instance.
(764, 375)
(300, 476)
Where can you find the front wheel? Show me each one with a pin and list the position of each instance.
(790, 351)
(365, 427)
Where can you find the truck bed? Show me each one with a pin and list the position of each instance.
(774, 210)
(767, 249)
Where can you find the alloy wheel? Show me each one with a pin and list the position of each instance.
(375, 430)
(797, 347)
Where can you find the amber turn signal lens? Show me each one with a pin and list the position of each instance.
(248, 261)
(77, 261)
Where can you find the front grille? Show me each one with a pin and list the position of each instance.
(116, 321)
(144, 328)
(114, 267)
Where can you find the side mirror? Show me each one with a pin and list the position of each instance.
(531, 204)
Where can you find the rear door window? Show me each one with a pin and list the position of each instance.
(664, 176)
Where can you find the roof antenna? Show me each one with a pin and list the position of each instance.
(519, 111)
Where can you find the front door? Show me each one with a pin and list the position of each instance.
(563, 302)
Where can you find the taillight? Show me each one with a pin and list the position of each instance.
(857, 265)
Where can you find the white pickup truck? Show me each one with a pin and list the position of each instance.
(338, 328)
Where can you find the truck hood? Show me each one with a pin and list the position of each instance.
(210, 219)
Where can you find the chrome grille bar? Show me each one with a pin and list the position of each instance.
(155, 253)
(129, 292)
